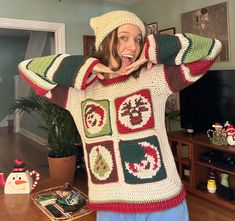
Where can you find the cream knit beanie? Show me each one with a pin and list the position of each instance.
(106, 23)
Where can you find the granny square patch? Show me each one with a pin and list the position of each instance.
(134, 112)
(142, 160)
(96, 120)
(102, 164)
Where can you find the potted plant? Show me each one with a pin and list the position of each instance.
(62, 136)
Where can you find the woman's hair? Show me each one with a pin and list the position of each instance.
(103, 54)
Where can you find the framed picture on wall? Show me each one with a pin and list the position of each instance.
(152, 28)
(169, 31)
(211, 21)
(88, 45)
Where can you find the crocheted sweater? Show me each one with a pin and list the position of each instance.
(128, 159)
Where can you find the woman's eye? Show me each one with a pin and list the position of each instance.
(138, 40)
(123, 38)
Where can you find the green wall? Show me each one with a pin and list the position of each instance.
(74, 13)
(168, 14)
(77, 13)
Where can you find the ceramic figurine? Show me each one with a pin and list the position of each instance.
(211, 186)
(224, 179)
(211, 182)
(20, 180)
(230, 131)
(217, 136)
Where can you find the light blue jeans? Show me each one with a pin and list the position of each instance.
(177, 213)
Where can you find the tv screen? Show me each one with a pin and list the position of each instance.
(211, 99)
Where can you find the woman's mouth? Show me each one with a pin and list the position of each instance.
(127, 60)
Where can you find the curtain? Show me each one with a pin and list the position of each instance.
(35, 48)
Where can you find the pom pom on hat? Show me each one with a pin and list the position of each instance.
(19, 166)
(106, 23)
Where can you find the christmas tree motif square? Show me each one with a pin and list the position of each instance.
(102, 164)
(96, 120)
(134, 112)
(142, 160)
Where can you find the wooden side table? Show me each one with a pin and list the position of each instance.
(21, 207)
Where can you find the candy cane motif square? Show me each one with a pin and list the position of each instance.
(96, 119)
(102, 164)
(134, 112)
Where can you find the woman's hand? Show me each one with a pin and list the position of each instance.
(142, 60)
(100, 69)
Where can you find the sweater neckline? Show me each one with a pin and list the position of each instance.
(114, 80)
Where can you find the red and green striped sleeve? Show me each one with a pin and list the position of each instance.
(185, 57)
(44, 73)
(181, 48)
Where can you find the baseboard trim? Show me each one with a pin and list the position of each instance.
(33, 136)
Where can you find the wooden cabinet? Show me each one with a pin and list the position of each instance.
(194, 170)
(182, 151)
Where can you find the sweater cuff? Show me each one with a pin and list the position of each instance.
(151, 48)
(85, 76)
(40, 85)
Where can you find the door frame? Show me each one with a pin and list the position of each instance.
(29, 25)
(21, 24)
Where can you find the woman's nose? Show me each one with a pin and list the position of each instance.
(132, 45)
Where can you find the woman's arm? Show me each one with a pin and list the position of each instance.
(76, 71)
(45, 73)
(181, 49)
(178, 51)
(184, 57)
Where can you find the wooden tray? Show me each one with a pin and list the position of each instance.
(83, 211)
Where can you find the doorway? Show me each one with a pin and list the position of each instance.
(58, 30)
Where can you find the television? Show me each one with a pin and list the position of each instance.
(209, 100)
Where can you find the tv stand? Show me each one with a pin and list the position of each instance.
(194, 172)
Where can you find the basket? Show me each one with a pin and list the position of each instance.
(58, 193)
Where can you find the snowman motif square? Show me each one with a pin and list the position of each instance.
(96, 120)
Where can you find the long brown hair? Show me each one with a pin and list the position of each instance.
(103, 54)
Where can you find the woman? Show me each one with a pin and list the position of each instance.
(119, 111)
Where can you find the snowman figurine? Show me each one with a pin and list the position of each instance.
(20, 179)
(230, 131)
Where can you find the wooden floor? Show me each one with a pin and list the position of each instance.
(15, 146)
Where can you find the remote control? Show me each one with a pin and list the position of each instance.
(53, 210)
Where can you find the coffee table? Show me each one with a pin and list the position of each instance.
(21, 207)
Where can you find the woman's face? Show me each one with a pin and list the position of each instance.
(128, 46)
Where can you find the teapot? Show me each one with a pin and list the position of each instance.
(20, 180)
(217, 136)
